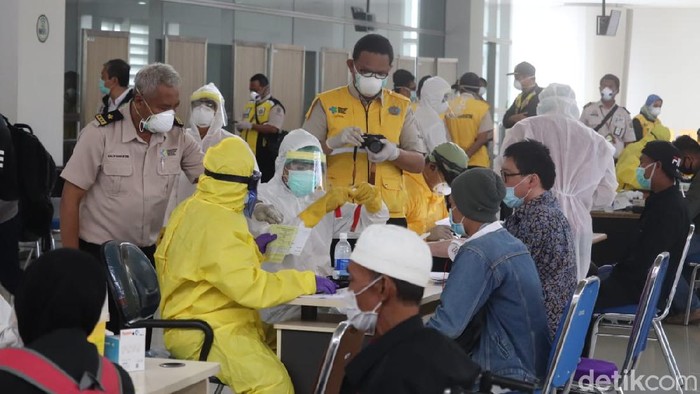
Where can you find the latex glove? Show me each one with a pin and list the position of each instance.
(325, 285)
(243, 125)
(367, 195)
(439, 233)
(390, 152)
(334, 198)
(263, 239)
(267, 213)
(348, 136)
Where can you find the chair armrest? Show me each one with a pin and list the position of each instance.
(488, 380)
(189, 324)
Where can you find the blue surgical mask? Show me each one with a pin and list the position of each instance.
(457, 228)
(301, 183)
(644, 183)
(511, 200)
(103, 88)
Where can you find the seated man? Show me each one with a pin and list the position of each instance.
(537, 220)
(426, 191)
(663, 227)
(58, 306)
(493, 277)
(389, 269)
(690, 165)
(208, 268)
(295, 191)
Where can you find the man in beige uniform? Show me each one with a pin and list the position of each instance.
(616, 127)
(124, 166)
(339, 118)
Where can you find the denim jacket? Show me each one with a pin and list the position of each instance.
(495, 272)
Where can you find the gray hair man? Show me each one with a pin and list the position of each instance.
(124, 167)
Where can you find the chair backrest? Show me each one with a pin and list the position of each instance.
(571, 335)
(679, 270)
(132, 280)
(646, 312)
(345, 343)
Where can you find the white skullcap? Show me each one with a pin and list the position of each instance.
(395, 252)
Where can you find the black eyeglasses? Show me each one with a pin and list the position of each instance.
(505, 175)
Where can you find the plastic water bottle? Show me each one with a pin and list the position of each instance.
(341, 257)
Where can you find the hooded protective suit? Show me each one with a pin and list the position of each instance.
(315, 255)
(208, 268)
(626, 168)
(431, 107)
(585, 170)
(184, 188)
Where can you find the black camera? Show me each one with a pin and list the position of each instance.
(373, 142)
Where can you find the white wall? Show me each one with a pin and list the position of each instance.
(664, 60)
(31, 72)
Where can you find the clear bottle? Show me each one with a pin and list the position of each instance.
(341, 257)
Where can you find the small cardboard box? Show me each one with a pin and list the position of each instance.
(127, 349)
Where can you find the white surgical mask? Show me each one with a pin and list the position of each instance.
(202, 116)
(517, 85)
(442, 189)
(607, 94)
(159, 123)
(442, 107)
(368, 86)
(254, 96)
(655, 111)
(362, 320)
(482, 91)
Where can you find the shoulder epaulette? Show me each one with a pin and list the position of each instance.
(588, 105)
(109, 117)
(625, 109)
(178, 122)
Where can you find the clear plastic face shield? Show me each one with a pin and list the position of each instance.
(305, 171)
(203, 111)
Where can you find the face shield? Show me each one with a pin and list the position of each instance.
(203, 112)
(207, 108)
(305, 171)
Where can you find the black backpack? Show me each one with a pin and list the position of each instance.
(36, 176)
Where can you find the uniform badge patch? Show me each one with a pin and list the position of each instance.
(394, 110)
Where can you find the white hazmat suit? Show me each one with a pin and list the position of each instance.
(214, 135)
(315, 255)
(431, 106)
(585, 170)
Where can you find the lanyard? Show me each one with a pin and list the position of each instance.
(520, 103)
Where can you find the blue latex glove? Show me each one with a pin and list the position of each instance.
(263, 239)
(325, 285)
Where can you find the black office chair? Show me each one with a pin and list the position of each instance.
(133, 283)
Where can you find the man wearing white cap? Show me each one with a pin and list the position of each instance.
(389, 269)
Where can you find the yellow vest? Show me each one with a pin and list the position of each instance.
(647, 125)
(464, 127)
(423, 207)
(263, 110)
(384, 117)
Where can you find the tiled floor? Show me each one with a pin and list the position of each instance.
(685, 343)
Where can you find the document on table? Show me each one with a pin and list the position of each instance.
(290, 240)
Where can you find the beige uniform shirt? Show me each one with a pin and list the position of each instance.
(618, 126)
(410, 139)
(128, 181)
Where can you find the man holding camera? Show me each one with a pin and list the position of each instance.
(368, 132)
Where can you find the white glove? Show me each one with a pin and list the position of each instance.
(439, 233)
(453, 248)
(267, 213)
(243, 125)
(348, 136)
(390, 152)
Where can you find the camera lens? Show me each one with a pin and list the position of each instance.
(375, 146)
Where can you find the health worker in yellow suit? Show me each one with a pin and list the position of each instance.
(626, 167)
(208, 268)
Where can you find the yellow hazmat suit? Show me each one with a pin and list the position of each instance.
(208, 268)
(423, 207)
(626, 168)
